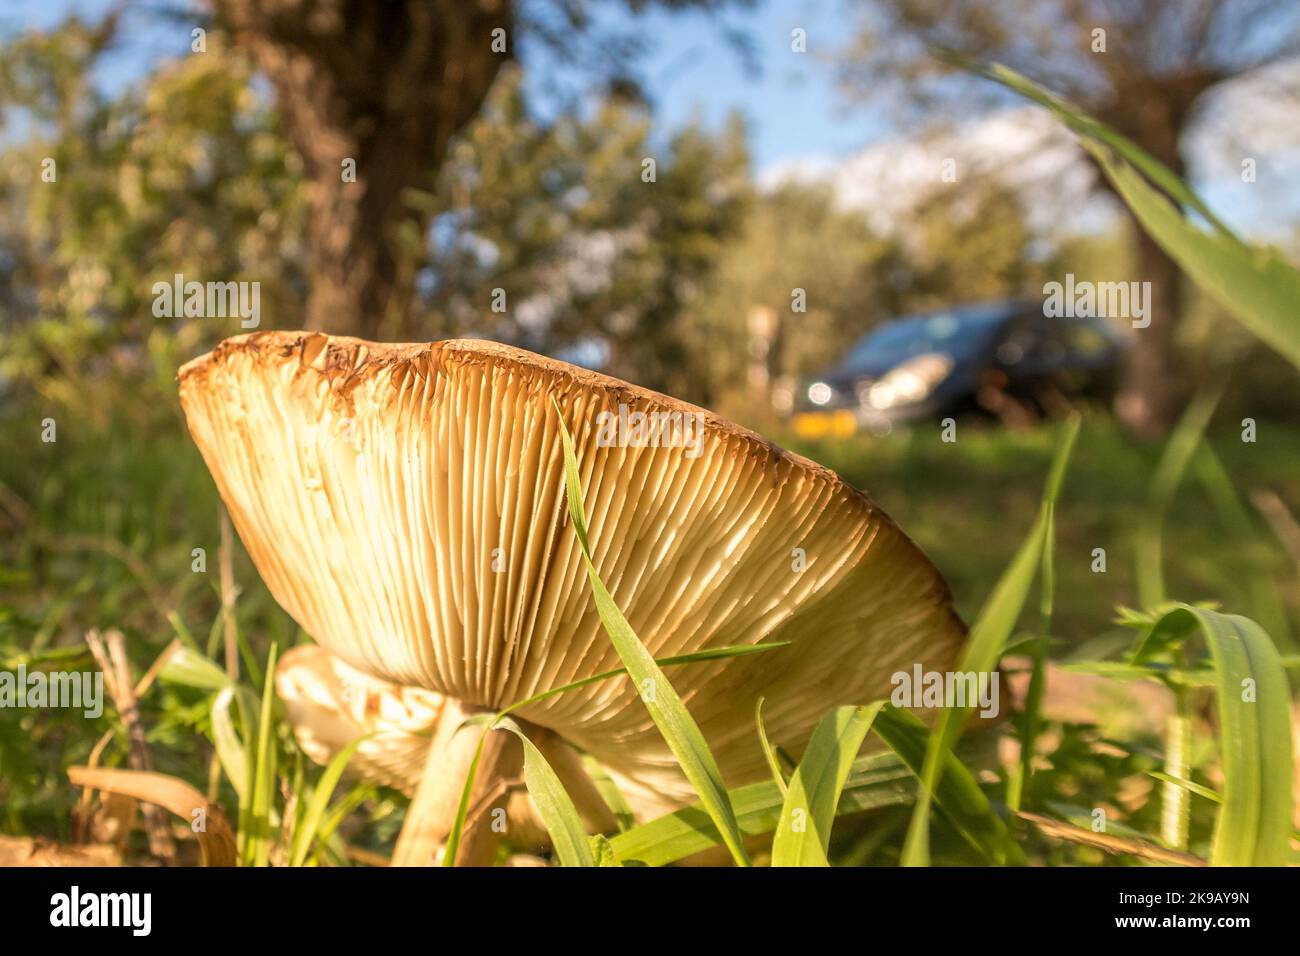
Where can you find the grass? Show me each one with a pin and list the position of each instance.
(969, 503)
(971, 500)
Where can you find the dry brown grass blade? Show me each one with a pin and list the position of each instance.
(1281, 520)
(1120, 846)
(228, 595)
(367, 857)
(110, 652)
(142, 686)
(216, 839)
(144, 683)
(17, 509)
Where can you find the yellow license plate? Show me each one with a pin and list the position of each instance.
(837, 424)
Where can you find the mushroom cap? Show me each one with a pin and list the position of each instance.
(405, 505)
(330, 704)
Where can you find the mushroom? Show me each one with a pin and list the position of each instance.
(330, 705)
(404, 503)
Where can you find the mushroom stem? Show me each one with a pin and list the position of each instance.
(565, 760)
(433, 808)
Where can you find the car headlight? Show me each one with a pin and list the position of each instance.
(819, 393)
(910, 382)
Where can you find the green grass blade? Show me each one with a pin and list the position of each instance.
(876, 780)
(462, 809)
(1254, 704)
(1177, 454)
(1175, 802)
(622, 812)
(1097, 134)
(602, 851)
(804, 834)
(610, 793)
(1122, 670)
(1030, 719)
(773, 764)
(957, 793)
(230, 749)
(1196, 789)
(191, 669)
(182, 631)
(988, 636)
(1189, 785)
(679, 729)
(554, 805)
(709, 654)
(307, 830)
(1254, 284)
(1267, 606)
(335, 816)
(262, 785)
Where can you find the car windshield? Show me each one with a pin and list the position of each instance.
(949, 332)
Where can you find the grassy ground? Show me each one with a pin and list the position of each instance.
(969, 504)
(99, 529)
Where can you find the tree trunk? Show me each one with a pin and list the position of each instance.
(1152, 388)
(384, 85)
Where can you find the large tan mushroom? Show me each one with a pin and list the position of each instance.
(405, 505)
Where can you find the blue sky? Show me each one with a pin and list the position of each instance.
(790, 99)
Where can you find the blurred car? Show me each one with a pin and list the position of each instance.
(958, 360)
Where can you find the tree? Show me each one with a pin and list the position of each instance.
(798, 238)
(794, 239)
(560, 237)
(372, 94)
(1142, 66)
(385, 86)
(190, 171)
(187, 172)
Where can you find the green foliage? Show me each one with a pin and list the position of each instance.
(954, 790)
(553, 804)
(308, 828)
(804, 833)
(1254, 284)
(988, 638)
(187, 173)
(985, 488)
(588, 253)
(607, 788)
(1254, 704)
(875, 781)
